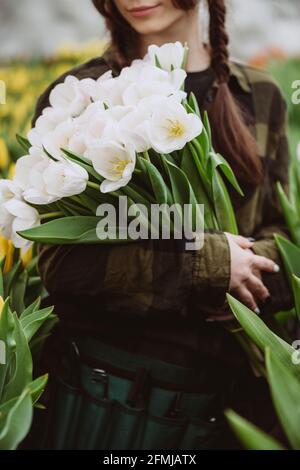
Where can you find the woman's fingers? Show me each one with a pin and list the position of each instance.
(265, 264)
(242, 242)
(257, 273)
(257, 288)
(247, 298)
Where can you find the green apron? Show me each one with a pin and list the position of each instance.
(106, 398)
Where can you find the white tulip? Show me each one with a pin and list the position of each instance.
(109, 91)
(46, 123)
(170, 55)
(131, 74)
(171, 127)
(154, 81)
(8, 191)
(89, 87)
(88, 114)
(65, 178)
(25, 166)
(117, 113)
(77, 143)
(133, 129)
(29, 177)
(102, 127)
(22, 217)
(114, 162)
(6, 221)
(59, 138)
(44, 180)
(71, 96)
(105, 76)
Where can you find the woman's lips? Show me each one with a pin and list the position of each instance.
(143, 11)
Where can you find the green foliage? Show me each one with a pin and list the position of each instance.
(250, 436)
(18, 334)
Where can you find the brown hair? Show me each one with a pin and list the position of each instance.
(232, 138)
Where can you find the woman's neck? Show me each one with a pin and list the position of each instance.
(186, 30)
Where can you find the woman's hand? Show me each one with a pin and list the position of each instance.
(245, 280)
(246, 269)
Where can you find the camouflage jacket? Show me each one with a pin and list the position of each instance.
(155, 293)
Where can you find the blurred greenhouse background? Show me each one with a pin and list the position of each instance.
(40, 39)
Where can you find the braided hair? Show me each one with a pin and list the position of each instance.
(231, 136)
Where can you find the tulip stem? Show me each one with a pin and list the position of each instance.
(52, 215)
(146, 156)
(90, 184)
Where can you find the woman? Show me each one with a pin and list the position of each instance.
(144, 356)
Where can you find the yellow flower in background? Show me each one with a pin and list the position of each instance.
(4, 156)
(7, 252)
(27, 80)
(11, 171)
(1, 304)
(26, 256)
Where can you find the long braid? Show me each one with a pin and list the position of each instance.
(219, 40)
(230, 133)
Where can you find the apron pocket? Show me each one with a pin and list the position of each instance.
(63, 421)
(94, 423)
(162, 433)
(125, 427)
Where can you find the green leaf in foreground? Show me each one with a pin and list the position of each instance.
(285, 390)
(217, 161)
(290, 215)
(15, 420)
(262, 336)
(157, 182)
(71, 230)
(21, 372)
(290, 254)
(251, 437)
(296, 291)
(223, 206)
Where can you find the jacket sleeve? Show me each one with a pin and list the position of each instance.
(273, 221)
(145, 278)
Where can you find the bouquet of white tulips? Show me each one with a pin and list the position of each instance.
(137, 135)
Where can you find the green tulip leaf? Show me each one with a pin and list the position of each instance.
(262, 336)
(290, 254)
(71, 230)
(285, 390)
(15, 420)
(250, 436)
(21, 367)
(157, 182)
(296, 291)
(290, 215)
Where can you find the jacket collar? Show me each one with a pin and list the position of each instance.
(237, 71)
